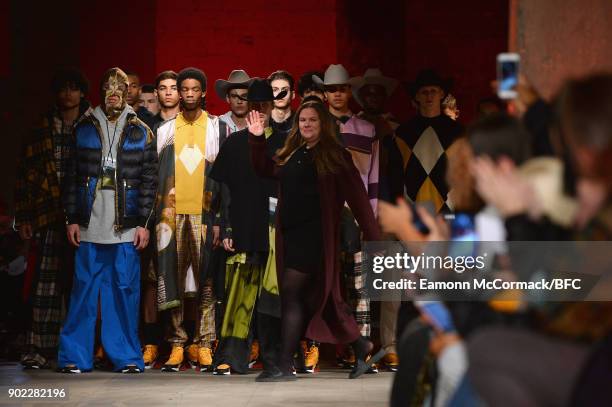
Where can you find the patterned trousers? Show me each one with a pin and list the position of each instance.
(189, 232)
(352, 269)
(48, 298)
(357, 293)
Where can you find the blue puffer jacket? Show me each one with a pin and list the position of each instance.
(136, 173)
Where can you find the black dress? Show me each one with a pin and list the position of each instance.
(301, 213)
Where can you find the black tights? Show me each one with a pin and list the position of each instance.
(295, 313)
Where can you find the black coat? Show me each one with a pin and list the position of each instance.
(136, 179)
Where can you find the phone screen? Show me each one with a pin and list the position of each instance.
(509, 75)
(463, 228)
(464, 238)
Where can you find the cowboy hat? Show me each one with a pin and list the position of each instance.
(429, 77)
(372, 76)
(260, 90)
(334, 75)
(237, 79)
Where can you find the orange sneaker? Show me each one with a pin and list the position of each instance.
(149, 355)
(205, 358)
(174, 362)
(311, 358)
(192, 355)
(391, 361)
(254, 353)
(223, 370)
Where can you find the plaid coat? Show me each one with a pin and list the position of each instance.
(37, 188)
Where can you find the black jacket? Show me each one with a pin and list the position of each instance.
(136, 173)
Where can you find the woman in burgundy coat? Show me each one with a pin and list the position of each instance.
(316, 177)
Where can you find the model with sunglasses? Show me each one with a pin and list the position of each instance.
(234, 91)
(316, 177)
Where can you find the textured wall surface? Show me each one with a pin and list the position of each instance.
(259, 36)
(558, 39)
(148, 36)
(461, 39)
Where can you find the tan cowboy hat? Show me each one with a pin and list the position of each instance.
(237, 79)
(334, 75)
(372, 76)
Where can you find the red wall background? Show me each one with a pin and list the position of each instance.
(259, 36)
(460, 39)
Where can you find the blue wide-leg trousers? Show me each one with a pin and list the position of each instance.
(110, 273)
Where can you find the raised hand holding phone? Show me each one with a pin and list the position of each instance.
(507, 75)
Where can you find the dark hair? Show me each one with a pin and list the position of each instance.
(584, 111)
(70, 77)
(498, 135)
(280, 74)
(328, 153)
(491, 100)
(130, 73)
(191, 73)
(147, 88)
(165, 75)
(305, 83)
(312, 98)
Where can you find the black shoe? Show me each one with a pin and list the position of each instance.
(362, 366)
(131, 369)
(29, 364)
(34, 361)
(275, 376)
(71, 369)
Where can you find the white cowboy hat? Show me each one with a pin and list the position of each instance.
(237, 79)
(334, 75)
(372, 76)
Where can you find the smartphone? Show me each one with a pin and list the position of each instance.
(464, 237)
(507, 74)
(463, 227)
(416, 218)
(437, 313)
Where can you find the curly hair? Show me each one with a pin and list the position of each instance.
(191, 73)
(69, 77)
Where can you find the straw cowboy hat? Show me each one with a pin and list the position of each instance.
(334, 75)
(237, 79)
(372, 76)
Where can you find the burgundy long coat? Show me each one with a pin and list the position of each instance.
(333, 321)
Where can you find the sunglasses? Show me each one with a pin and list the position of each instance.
(236, 96)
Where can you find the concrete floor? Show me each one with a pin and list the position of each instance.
(153, 388)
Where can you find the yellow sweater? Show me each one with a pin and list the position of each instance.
(189, 150)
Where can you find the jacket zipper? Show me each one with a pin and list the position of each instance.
(118, 224)
(99, 129)
(125, 187)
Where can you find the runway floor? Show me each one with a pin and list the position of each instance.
(326, 388)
